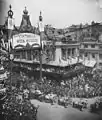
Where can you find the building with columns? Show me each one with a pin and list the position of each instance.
(90, 43)
(69, 46)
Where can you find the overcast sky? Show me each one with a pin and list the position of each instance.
(58, 13)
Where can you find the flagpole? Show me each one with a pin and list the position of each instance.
(41, 29)
(10, 28)
(40, 58)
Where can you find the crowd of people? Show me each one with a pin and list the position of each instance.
(86, 84)
(83, 85)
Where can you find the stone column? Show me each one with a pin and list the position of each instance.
(26, 55)
(97, 59)
(58, 53)
(76, 52)
(70, 52)
(54, 55)
(66, 53)
(20, 55)
(31, 55)
(89, 56)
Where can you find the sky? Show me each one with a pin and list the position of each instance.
(58, 13)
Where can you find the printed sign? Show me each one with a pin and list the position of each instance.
(23, 39)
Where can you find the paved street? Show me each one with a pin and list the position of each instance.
(54, 112)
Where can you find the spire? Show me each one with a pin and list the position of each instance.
(25, 11)
(41, 26)
(10, 6)
(10, 12)
(40, 17)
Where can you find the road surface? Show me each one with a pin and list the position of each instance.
(56, 112)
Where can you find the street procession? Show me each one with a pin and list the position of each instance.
(49, 73)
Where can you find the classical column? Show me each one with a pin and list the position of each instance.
(97, 59)
(20, 55)
(71, 52)
(66, 53)
(89, 56)
(76, 52)
(32, 55)
(54, 55)
(57, 53)
(26, 55)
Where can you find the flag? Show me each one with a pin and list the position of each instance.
(2, 40)
(41, 26)
(10, 23)
(10, 44)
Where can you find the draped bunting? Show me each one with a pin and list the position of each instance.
(50, 74)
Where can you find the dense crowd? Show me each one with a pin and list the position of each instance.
(84, 85)
(16, 106)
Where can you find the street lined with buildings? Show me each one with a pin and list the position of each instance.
(50, 65)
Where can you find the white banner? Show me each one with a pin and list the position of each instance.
(10, 23)
(23, 39)
(41, 26)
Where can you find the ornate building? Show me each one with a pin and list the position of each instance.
(67, 46)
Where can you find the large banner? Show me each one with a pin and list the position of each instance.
(24, 39)
(10, 23)
(41, 26)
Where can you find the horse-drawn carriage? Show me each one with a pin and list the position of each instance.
(64, 101)
(96, 106)
(80, 104)
(50, 98)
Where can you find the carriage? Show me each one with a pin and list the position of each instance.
(80, 104)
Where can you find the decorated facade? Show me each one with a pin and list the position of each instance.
(60, 46)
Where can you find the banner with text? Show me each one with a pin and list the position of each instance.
(22, 39)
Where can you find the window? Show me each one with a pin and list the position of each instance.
(23, 55)
(86, 55)
(63, 53)
(93, 46)
(68, 52)
(29, 55)
(100, 46)
(100, 56)
(93, 55)
(85, 46)
(73, 51)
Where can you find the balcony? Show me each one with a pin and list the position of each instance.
(69, 42)
(89, 39)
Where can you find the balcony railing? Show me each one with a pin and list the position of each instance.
(69, 42)
(90, 39)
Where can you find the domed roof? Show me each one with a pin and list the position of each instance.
(25, 11)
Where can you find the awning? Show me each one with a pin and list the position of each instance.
(64, 63)
(89, 63)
